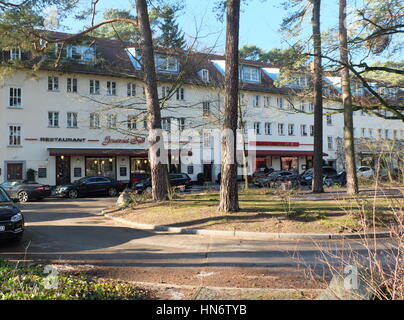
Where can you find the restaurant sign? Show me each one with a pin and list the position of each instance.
(133, 140)
(57, 139)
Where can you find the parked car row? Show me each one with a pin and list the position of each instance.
(180, 180)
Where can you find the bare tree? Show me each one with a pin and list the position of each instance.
(228, 185)
(352, 179)
(158, 169)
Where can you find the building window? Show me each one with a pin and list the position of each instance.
(330, 143)
(394, 134)
(15, 97)
(329, 120)
(256, 101)
(291, 129)
(94, 87)
(15, 54)
(111, 88)
(181, 124)
(279, 102)
(180, 93)
(267, 102)
(53, 83)
(72, 120)
(387, 133)
(111, 121)
(250, 74)
(303, 130)
(257, 127)
(14, 135)
(268, 128)
(281, 129)
(311, 106)
(363, 132)
(166, 124)
(71, 85)
(166, 63)
(206, 109)
(131, 89)
(207, 140)
(42, 173)
(311, 130)
(165, 92)
(94, 120)
(370, 132)
(205, 75)
(131, 122)
(53, 119)
(302, 106)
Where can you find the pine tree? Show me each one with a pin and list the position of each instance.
(171, 35)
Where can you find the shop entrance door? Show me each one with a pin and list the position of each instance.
(62, 170)
(14, 171)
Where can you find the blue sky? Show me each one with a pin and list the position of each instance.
(259, 23)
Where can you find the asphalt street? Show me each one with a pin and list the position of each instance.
(74, 233)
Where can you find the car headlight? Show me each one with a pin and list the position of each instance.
(16, 217)
(63, 188)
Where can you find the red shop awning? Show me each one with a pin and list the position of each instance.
(285, 153)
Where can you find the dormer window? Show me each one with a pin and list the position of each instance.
(250, 74)
(356, 88)
(166, 63)
(15, 54)
(204, 73)
(81, 53)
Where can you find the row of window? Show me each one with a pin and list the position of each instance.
(305, 130)
(379, 133)
(15, 94)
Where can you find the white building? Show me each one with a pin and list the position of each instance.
(87, 116)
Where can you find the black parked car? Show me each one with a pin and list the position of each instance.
(90, 186)
(307, 176)
(138, 177)
(176, 180)
(276, 176)
(11, 218)
(339, 179)
(24, 190)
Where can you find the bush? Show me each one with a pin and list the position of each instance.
(20, 282)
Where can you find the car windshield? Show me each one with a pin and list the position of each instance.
(10, 183)
(3, 196)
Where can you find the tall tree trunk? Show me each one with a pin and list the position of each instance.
(158, 169)
(245, 160)
(352, 179)
(318, 101)
(228, 186)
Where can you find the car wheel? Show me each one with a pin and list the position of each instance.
(148, 190)
(112, 192)
(23, 196)
(73, 194)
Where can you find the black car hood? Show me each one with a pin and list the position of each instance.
(7, 210)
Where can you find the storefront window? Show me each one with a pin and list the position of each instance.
(100, 167)
(289, 163)
(140, 165)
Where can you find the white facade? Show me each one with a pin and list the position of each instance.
(40, 127)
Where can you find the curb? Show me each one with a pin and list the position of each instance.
(247, 235)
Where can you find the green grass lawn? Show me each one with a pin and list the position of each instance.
(22, 282)
(266, 211)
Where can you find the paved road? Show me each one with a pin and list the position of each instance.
(74, 232)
